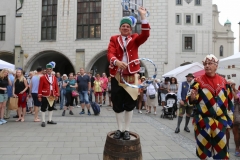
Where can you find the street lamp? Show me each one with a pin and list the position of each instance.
(188, 1)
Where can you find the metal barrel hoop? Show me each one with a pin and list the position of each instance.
(146, 82)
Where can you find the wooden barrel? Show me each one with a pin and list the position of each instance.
(119, 149)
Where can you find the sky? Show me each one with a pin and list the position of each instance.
(229, 9)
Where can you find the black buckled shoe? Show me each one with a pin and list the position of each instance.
(117, 134)
(186, 129)
(63, 114)
(71, 113)
(177, 130)
(51, 122)
(126, 135)
(43, 124)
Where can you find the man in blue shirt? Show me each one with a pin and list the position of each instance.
(84, 87)
(34, 92)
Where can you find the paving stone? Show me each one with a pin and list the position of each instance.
(44, 151)
(79, 151)
(65, 139)
(147, 156)
(10, 157)
(6, 144)
(176, 155)
(89, 156)
(70, 157)
(26, 151)
(50, 139)
(31, 157)
(60, 151)
(51, 157)
(10, 151)
(55, 144)
(161, 148)
(148, 149)
(95, 150)
(71, 144)
(87, 144)
(160, 155)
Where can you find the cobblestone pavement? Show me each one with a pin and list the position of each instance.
(82, 137)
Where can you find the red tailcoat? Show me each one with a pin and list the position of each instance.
(116, 50)
(44, 86)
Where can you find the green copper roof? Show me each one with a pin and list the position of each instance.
(227, 22)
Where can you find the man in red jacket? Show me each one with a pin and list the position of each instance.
(48, 92)
(123, 49)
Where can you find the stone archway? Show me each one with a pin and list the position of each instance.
(100, 64)
(7, 56)
(63, 64)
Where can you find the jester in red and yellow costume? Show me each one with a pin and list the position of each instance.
(212, 97)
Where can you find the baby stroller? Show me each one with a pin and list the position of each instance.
(171, 106)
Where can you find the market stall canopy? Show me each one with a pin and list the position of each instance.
(4, 64)
(229, 61)
(182, 71)
(199, 73)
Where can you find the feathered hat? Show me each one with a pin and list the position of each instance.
(132, 21)
(51, 65)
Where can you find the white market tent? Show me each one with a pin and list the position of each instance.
(4, 64)
(182, 71)
(229, 61)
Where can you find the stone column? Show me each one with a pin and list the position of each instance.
(18, 56)
(80, 59)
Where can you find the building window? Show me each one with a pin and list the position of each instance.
(49, 19)
(137, 28)
(188, 19)
(2, 28)
(221, 51)
(197, 2)
(198, 19)
(178, 2)
(88, 19)
(188, 43)
(178, 19)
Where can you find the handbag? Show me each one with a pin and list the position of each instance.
(13, 103)
(152, 96)
(75, 93)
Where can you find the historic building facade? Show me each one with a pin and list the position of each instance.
(76, 33)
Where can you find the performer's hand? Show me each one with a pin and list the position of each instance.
(142, 11)
(121, 64)
(181, 103)
(40, 99)
(193, 95)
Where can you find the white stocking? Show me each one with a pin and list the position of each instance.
(50, 113)
(43, 116)
(128, 119)
(119, 118)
